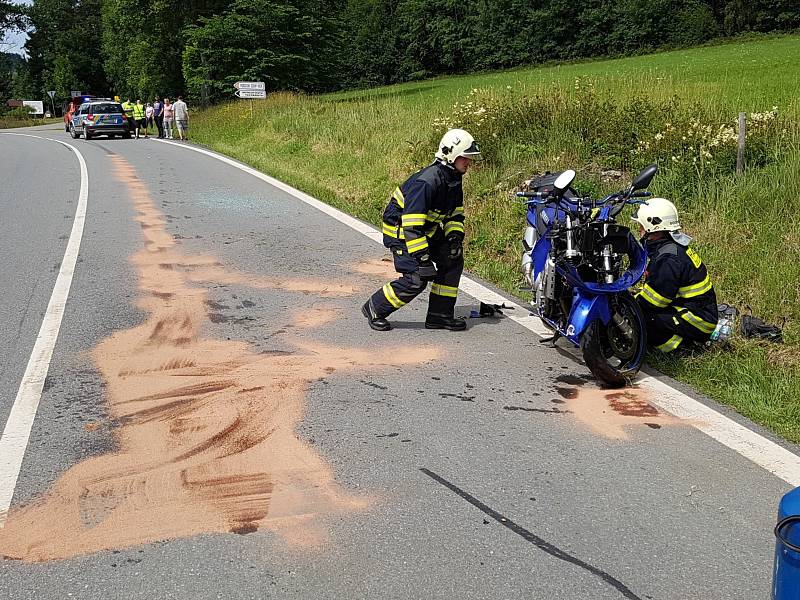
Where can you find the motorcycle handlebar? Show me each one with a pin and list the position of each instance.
(621, 197)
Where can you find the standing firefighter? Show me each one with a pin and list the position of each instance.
(678, 298)
(423, 226)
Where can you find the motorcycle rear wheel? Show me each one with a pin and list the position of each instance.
(611, 358)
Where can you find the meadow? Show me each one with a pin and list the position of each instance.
(605, 119)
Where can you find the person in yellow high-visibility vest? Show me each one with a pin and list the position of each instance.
(140, 118)
(127, 107)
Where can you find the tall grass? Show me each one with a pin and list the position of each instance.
(351, 149)
(14, 122)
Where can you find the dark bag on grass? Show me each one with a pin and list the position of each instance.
(753, 327)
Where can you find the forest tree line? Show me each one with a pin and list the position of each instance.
(200, 47)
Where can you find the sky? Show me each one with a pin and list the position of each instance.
(15, 41)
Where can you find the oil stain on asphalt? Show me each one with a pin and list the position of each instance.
(613, 413)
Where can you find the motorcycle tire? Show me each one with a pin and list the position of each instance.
(598, 348)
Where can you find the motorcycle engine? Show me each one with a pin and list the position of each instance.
(544, 288)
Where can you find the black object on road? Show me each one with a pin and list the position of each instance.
(489, 310)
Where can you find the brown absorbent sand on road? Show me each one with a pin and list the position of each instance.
(206, 428)
(381, 268)
(612, 413)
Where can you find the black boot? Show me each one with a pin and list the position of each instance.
(376, 322)
(437, 321)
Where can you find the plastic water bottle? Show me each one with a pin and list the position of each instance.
(722, 332)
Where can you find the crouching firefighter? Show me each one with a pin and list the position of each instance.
(423, 226)
(678, 298)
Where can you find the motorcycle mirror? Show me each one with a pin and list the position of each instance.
(564, 180)
(643, 179)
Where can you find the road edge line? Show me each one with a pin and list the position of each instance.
(15, 436)
(765, 453)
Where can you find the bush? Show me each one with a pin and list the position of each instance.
(21, 112)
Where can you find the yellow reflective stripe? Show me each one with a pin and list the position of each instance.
(696, 321)
(417, 244)
(451, 226)
(444, 290)
(457, 211)
(413, 220)
(399, 197)
(697, 289)
(653, 297)
(435, 216)
(670, 344)
(388, 291)
(392, 231)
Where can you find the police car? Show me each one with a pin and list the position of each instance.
(101, 117)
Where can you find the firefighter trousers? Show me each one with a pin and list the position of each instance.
(401, 291)
(667, 331)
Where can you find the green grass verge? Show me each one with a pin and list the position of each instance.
(351, 149)
(16, 122)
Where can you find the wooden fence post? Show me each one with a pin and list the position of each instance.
(740, 149)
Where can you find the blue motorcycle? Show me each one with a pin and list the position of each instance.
(580, 264)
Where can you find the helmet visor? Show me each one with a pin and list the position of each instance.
(472, 152)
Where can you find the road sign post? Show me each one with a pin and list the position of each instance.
(250, 90)
(52, 94)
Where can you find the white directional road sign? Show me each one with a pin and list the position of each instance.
(250, 85)
(251, 93)
(51, 93)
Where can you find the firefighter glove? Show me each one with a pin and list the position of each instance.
(455, 240)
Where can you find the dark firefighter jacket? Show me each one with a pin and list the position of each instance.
(430, 200)
(676, 279)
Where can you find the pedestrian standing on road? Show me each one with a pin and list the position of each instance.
(158, 116)
(169, 118)
(148, 114)
(423, 226)
(127, 108)
(140, 118)
(678, 298)
(182, 119)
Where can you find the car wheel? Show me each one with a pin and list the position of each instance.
(72, 132)
(86, 134)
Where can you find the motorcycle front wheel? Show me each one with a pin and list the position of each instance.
(614, 352)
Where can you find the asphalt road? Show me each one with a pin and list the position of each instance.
(302, 455)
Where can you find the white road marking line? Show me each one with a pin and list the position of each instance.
(764, 452)
(14, 440)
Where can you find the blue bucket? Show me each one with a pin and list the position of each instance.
(786, 578)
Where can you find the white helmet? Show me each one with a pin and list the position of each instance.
(657, 214)
(455, 143)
